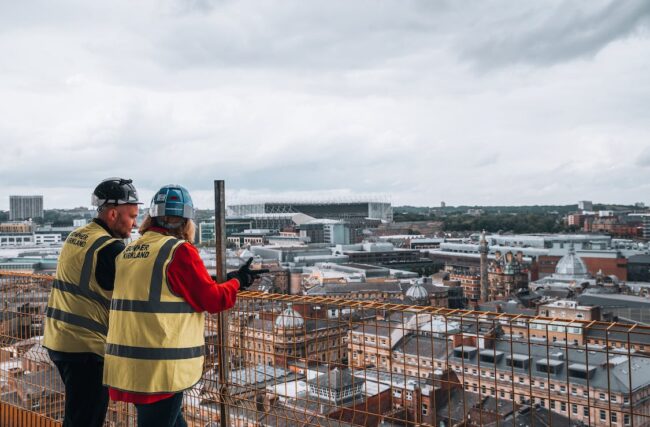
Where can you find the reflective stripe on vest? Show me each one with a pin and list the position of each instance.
(147, 324)
(78, 290)
(77, 313)
(73, 319)
(154, 353)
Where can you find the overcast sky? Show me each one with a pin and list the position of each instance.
(467, 102)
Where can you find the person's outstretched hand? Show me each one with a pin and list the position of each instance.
(245, 275)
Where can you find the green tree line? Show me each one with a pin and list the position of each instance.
(523, 223)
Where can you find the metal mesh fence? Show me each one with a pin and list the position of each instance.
(313, 361)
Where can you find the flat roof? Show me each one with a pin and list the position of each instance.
(491, 353)
(581, 367)
(466, 348)
(550, 362)
(516, 356)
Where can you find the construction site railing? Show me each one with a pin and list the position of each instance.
(315, 361)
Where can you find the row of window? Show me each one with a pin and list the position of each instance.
(542, 385)
(554, 405)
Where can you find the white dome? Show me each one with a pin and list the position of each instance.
(417, 292)
(289, 319)
(571, 266)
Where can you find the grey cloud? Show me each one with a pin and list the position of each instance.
(337, 35)
(488, 159)
(538, 33)
(643, 160)
(324, 34)
(193, 6)
(293, 95)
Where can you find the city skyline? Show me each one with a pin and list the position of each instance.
(206, 197)
(485, 103)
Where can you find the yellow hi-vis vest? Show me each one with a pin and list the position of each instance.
(77, 310)
(155, 340)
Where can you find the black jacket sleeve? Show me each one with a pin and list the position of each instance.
(105, 271)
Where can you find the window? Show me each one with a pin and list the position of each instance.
(541, 384)
(463, 353)
(549, 367)
(574, 409)
(574, 391)
(521, 380)
(501, 376)
(562, 389)
(552, 404)
(612, 399)
(563, 406)
(585, 412)
(613, 417)
(425, 409)
(518, 361)
(626, 419)
(551, 386)
(601, 396)
(626, 399)
(502, 394)
(603, 415)
(483, 389)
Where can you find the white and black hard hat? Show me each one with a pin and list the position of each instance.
(115, 191)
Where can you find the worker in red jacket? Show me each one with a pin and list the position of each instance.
(155, 343)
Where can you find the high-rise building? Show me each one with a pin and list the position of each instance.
(585, 205)
(25, 207)
(646, 226)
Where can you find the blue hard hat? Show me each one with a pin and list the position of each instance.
(172, 200)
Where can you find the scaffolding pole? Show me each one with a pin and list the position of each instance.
(222, 321)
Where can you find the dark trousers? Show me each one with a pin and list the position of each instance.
(86, 399)
(164, 413)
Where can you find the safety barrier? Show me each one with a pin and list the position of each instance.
(315, 361)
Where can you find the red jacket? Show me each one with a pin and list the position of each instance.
(188, 278)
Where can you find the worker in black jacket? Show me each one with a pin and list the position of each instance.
(76, 320)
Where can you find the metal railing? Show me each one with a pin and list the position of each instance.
(314, 361)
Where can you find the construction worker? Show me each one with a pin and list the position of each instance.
(155, 343)
(76, 319)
